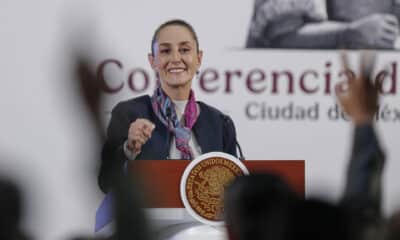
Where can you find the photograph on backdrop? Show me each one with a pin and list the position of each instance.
(325, 24)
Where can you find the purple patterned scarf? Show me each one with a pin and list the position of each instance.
(164, 108)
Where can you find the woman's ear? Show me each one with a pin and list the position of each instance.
(151, 60)
(199, 57)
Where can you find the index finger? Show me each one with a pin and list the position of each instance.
(367, 64)
(345, 60)
(146, 125)
(346, 66)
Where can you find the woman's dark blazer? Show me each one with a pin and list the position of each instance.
(213, 131)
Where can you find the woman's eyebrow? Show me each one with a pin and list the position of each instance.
(184, 43)
(165, 44)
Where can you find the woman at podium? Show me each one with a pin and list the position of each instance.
(169, 124)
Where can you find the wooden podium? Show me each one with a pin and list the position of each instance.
(161, 179)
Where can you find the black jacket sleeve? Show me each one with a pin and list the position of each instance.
(112, 155)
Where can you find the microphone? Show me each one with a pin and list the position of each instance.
(227, 120)
(241, 157)
(168, 118)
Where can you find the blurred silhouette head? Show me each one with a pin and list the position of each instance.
(10, 210)
(257, 207)
(317, 219)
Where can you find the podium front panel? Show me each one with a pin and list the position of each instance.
(161, 178)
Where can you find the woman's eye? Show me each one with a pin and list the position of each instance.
(185, 50)
(164, 51)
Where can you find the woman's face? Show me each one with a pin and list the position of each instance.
(175, 59)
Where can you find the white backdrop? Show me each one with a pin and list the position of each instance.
(46, 141)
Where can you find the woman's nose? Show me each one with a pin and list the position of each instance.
(175, 56)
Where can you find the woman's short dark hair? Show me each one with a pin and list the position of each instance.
(177, 22)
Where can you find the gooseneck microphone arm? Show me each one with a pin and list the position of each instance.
(241, 156)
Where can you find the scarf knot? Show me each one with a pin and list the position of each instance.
(164, 108)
